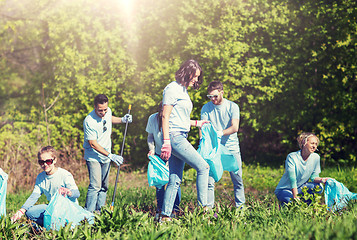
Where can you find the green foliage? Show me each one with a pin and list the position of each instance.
(290, 66)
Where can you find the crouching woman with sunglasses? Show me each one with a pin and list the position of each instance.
(48, 182)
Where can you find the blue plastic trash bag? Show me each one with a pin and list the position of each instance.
(210, 150)
(3, 187)
(229, 162)
(158, 173)
(337, 195)
(62, 211)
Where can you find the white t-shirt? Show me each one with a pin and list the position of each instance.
(177, 96)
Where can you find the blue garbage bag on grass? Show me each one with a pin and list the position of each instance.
(158, 173)
(3, 188)
(62, 211)
(337, 195)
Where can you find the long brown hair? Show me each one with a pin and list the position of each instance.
(186, 72)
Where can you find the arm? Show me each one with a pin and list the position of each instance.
(72, 190)
(321, 180)
(29, 203)
(31, 200)
(116, 120)
(166, 146)
(151, 144)
(167, 109)
(127, 118)
(295, 193)
(290, 169)
(233, 128)
(94, 144)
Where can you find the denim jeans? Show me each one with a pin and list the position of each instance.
(160, 193)
(237, 180)
(285, 195)
(183, 152)
(98, 185)
(36, 213)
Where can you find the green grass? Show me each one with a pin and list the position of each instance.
(260, 219)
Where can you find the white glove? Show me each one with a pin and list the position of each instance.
(116, 158)
(17, 215)
(127, 118)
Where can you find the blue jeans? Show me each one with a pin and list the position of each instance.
(160, 193)
(285, 195)
(98, 185)
(36, 213)
(183, 152)
(237, 180)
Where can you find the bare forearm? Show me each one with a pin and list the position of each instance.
(94, 144)
(320, 180)
(295, 192)
(233, 128)
(116, 120)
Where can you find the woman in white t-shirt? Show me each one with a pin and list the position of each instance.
(48, 182)
(176, 123)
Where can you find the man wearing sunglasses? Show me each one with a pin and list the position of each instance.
(97, 150)
(224, 116)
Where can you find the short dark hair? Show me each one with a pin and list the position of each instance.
(100, 99)
(215, 85)
(49, 149)
(188, 69)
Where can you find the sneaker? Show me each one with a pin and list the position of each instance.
(164, 219)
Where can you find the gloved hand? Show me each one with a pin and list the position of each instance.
(199, 123)
(166, 150)
(65, 191)
(17, 215)
(116, 158)
(127, 118)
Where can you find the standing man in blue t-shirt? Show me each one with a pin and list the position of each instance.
(224, 116)
(97, 150)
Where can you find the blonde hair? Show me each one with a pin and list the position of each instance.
(49, 149)
(303, 137)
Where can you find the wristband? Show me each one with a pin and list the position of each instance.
(21, 211)
(196, 124)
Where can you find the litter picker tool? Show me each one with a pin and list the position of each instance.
(121, 154)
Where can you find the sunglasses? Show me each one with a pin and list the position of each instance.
(104, 127)
(212, 96)
(47, 161)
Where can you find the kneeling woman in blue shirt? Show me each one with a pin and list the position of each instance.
(300, 167)
(48, 182)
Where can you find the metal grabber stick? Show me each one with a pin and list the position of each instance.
(121, 154)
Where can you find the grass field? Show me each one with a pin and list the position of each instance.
(260, 219)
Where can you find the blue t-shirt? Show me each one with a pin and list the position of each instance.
(177, 96)
(298, 171)
(96, 128)
(49, 185)
(153, 127)
(221, 117)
